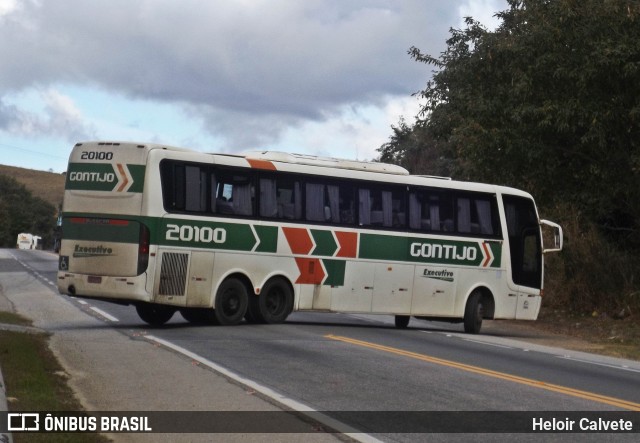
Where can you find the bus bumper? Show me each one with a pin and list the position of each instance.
(121, 290)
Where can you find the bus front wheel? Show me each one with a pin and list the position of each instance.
(231, 302)
(473, 313)
(154, 314)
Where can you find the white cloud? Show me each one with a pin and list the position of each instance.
(243, 67)
(483, 11)
(59, 117)
(317, 76)
(7, 6)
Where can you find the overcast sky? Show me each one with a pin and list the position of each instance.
(322, 77)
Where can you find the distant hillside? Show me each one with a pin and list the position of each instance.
(48, 186)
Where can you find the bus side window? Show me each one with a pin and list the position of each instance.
(329, 203)
(398, 210)
(477, 215)
(195, 189)
(268, 198)
(431, 211)
(235, 194)
(315, 202)
(347, 204)
(289, 199)
(378, 207)
(464, 215)
(424, 215)
(280, 198)
(184, 187)
(486, 216)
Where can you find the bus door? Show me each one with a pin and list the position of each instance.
(525, 250)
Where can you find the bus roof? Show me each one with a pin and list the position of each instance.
(289, 162)
(330, 162)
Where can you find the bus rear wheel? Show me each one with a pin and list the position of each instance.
(231, 302)
(275, 302)
(154, 314)
(473, 314)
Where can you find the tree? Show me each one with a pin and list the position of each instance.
(20, 212)
(416, 149)
(549, 102)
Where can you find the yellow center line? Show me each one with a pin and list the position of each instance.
(624, 404)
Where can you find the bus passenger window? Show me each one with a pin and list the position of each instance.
(268, 198)
(196, 189)
(347, 204)
(289, 199)
(280, 198)
(234, 194)
(315, 198)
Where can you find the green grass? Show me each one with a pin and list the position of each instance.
(35, 381)
(14, 319)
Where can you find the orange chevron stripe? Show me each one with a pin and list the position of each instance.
(261, 164)
(311, 271)
(123, 174)
(487, 254)
(348, 244)
(299, 240)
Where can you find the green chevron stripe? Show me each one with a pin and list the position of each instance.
(325, 243)
(335, 272)
(268, 237)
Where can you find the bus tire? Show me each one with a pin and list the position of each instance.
(231, 302)
(473, 313)
(275, 302)
(402, 321)
(154, 314)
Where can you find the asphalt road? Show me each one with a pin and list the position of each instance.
(341, 362)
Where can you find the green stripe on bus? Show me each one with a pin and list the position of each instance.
(107, 177)
(209, 235)
(137, 173)
(335, 272)
(427, 250)
(325, 243)
(268, 237)
(245, 237)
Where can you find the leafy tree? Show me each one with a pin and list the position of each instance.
(416, 149)
(548, 102)
(20, 212)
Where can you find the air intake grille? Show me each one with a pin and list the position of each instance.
(173, 273)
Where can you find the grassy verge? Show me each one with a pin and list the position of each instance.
(35, 381)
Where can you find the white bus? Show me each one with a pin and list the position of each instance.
(24, 241)
(222, 238)
(28, 241)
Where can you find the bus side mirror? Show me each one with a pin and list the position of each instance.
(557, 236)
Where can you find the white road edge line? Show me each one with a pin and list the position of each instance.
(488, 344)
(288, 402)
(622, 368)
(104, 314)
